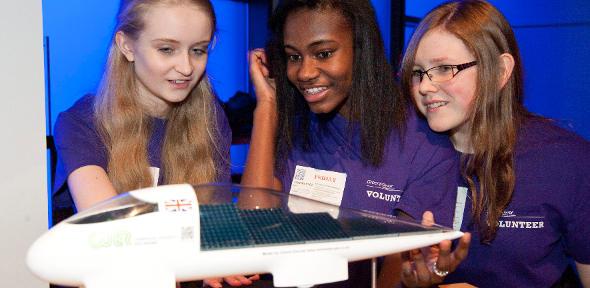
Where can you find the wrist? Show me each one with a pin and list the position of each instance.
(266, 109)
(266, 103)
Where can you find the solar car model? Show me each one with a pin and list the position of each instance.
(158, 236)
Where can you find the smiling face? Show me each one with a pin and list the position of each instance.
(319, 49)
(447, 105)
(169, 55)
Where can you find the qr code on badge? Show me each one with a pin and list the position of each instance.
(299, 174)
(187, 233)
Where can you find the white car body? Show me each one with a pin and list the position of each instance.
(160, 248)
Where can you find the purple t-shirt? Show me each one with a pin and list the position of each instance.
(547, 219)
(79, 144)
(417, 172)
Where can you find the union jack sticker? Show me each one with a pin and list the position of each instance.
(178, 205)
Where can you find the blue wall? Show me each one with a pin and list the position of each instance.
(79, 34)
(554, 37)
(383, 11)
(228, 64)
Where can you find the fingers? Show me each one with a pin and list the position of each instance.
(416, 271)
(259, 74)
(237, 280)
(214, 282)
(460, 252)
(417, 266)
(234, 281)
(261, 54)
(443, 261)
(258, 62)
(422, 272)
(428, 218)
(408, 276)
(254, 277)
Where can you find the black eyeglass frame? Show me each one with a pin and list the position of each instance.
(459, 68)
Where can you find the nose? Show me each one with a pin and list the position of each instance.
(184, 65)
(426, 86)
(307, 70)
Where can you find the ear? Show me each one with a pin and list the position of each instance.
(125, 45)
(506, 66)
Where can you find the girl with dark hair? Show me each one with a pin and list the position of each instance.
(330, 123)
(155, 118)
(526, 180)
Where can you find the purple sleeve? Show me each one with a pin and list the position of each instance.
(432, 185)
(223, 145)
(78, 144)
(577, 234)
(433, 173)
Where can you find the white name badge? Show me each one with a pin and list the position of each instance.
(320, 185)
(459, 207)
(155, 171)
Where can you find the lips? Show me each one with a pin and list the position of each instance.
(314, 94)
(179, 84)
(432, 106)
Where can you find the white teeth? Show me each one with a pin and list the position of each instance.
(178, 81)
(436, 105)
(315, 90)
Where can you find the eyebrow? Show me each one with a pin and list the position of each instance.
(435, 61)
(167, 40)
(439, 59)
(312, 44)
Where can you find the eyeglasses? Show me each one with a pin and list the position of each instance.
(440, 73)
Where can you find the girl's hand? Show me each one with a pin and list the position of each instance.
(429, 266)
(260, 75)
(234, 281)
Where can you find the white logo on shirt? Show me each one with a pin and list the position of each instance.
(383, 196)
(371, 184)
(382, 185)
(520, 224)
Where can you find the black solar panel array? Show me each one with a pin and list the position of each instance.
(225, 226)
(222, 227)
(270, 226)
(317, 226)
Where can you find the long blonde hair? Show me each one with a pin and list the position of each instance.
(497, 111)
(190, 152)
